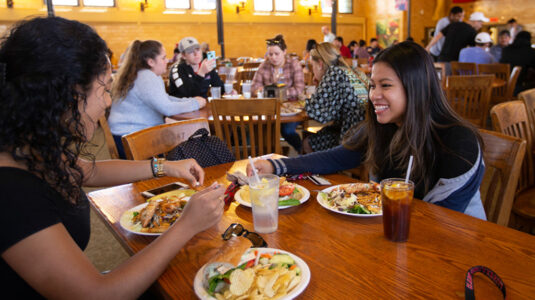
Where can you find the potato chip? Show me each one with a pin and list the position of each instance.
(268, 289)
(240, 281)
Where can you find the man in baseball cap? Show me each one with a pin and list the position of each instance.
(480, 53)
(457, 36)
(188, 44)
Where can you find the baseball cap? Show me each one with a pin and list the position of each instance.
(478, 16)
(188, 44)
(483, 38)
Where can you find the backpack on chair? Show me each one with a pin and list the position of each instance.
(205, 149)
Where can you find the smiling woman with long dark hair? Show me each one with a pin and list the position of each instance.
(407, 114)
(55, 81)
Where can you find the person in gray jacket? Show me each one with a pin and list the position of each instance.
(138, 92)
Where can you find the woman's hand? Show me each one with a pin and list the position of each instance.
(204, 209)
(262, 167)
(188, 169)
(201, 101)
(206, 67)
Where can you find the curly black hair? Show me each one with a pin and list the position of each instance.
(50, 65)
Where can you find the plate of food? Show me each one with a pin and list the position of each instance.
(156, 215)
(262, 273)
(353, 199)
(290, 194)
(290, 109)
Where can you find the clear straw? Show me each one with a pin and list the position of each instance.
(254, 169)
(409, 170)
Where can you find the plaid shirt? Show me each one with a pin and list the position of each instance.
(293, 77)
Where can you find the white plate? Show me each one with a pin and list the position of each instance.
(304, 191)
(325, 205)
(126, 217)
(126, 221)
(305, 276)
(290, 114)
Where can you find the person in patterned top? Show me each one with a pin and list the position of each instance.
(280, 68)
(341, 98)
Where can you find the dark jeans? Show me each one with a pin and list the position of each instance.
(119, 145)
(291, 136)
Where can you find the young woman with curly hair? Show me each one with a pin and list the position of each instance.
(139, 97)
(407, 114)
(55, 81)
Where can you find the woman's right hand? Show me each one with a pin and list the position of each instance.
(262, 167)
(204, 209)
(201, 101)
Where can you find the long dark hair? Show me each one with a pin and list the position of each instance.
(137, 56)
(427, 111)
(50, 65)
(522, 40)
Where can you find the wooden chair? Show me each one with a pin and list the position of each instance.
(362, 61)
(110, 142)
(160, 139)
(529, 100)
(470, 96)
(511, 83)
(249, 127)
(459, 68)
(440, 68)
(251, 65)
(503, 159)
(349, 61)
(501, 71)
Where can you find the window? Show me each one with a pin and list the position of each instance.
(204, 4)
(180, 4)
(280, 5)
(344, 6)
(64, 2)
(109, 3)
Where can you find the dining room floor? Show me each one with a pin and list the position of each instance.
(103, 249)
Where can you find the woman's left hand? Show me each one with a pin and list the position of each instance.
(188, 169)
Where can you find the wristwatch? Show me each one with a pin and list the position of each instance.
(157, 167)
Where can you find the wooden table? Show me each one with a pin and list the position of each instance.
(206, 112)
(348, 256)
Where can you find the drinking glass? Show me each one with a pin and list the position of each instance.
(264, 197)
(396, 198)
(216, 92)
(228, 88)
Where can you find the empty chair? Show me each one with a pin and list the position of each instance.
(529, 100)
(249, 127)
(160, 139)
(511, 83)
(503, 159)
(463, 68)
(440, 69)
(110, 142)
(501, 71)
(470, 96)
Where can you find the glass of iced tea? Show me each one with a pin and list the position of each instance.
(396, 198)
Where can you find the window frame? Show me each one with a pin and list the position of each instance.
(190, 6)
(274, 8)
(83, 2)
(338, 11)
(68, 5)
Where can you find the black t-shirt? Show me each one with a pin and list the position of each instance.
(457, 36)
(30, 205)
(183, 82)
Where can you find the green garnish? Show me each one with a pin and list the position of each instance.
(289, 202)
(359, 209)
(136, 213)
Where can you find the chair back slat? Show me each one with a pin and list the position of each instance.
(511, 83)
(160, 139)
(528, 97)
(469, 96)
(501, 71)
(463, 68)
(503, 157)
(511, 118)
(245, 118)
(110, 142)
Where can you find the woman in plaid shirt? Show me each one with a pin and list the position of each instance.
(280, 68)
